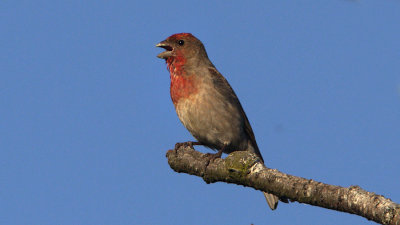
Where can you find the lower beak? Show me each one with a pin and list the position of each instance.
(168, 50)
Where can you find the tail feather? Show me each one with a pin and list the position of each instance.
(272, 200)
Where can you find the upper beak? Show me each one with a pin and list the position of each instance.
(168, 50)
(161, 44)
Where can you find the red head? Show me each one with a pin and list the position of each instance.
(183, 44)
(181, 48)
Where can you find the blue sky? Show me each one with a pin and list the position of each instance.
(86, 117)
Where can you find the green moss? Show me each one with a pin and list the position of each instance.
(238, 164)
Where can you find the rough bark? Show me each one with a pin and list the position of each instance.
(244, 168)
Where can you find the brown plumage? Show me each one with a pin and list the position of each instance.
(205, 102)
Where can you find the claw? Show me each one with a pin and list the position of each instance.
(211, 157)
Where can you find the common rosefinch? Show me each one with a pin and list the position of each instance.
(205, 102)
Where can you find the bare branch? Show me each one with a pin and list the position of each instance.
(244, 168)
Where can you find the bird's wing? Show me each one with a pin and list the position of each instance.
(220, 81)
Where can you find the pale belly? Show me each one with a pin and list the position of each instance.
(213, 121)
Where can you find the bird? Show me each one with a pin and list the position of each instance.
(205, 102)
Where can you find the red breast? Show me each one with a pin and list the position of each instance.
(182, 85)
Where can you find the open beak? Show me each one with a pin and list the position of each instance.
(168, 50)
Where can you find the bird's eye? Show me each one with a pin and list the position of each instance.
(181, 42)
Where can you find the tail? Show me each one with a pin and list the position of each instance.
(272, 200)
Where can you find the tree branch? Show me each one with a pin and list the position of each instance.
(244, 168)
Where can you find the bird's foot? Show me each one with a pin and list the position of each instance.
(211, 157)
(186, 144)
